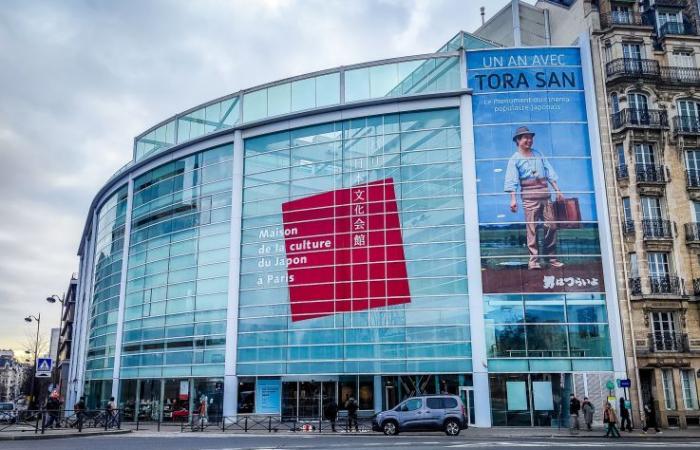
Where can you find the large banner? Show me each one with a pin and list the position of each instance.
(537, 213)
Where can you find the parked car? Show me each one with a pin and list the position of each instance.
(423, 413)
(7, 412)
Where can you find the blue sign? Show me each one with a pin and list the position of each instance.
(268, 396)
(43, 367)
(624, 383)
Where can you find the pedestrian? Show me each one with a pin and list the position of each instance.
(650, 417)
(331, 413)
(574, 408)
(625, 422)
(203, 414)
(79, 411)
(53, 406)
(588, 410)
(351, 406)
(111, 412)
(610, 418)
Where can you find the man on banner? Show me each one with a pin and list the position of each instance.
(530, 170)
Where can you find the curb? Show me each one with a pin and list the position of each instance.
(32, 437)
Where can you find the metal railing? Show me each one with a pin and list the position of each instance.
(667, 341)
(686, 125)
(692, 232)
(622, 172)
(692, 177)
(632, 67)
(622, 18)
(658, 284)
(677, 28)
(633, 117)
(657, 229)
(696, 286)
(42, 421)
(648, 173)
(628, 226)
(680, 75)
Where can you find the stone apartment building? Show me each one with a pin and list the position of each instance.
(11, 376)
(646, 58)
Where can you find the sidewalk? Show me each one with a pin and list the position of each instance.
(56, 434)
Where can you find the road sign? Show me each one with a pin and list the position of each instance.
(43, 367)
(610, 385)
(624, 383)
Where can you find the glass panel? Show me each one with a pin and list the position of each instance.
(255, 105)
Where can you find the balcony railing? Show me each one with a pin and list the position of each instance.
(628, 226)
(657, 229)
(680, 75)
(692, 233)
(622, 172)
(667, 341)
(686, 124)
(609, 19)
(696, 286)
(666, 284)
(632, 67)
(692, 177)
(650, 174)
(676, 28)
(671, 3)
(639, 118)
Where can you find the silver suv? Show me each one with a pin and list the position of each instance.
(423, 413)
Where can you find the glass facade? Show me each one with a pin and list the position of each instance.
(177, 280)
(420, 152)
(109, 247)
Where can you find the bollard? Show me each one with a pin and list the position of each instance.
(269, 424)
(320, 424)
(43, 422)
(246, 424)
(80, 422)
(36, 427)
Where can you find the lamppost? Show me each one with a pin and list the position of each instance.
(54, 371)
(37, 319)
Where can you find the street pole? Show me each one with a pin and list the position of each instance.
(36, 351)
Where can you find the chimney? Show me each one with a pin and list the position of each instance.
(483, 14)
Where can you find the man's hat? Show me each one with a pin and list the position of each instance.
(521, 131)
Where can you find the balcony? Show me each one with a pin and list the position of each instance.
(628, 227)
(689, 76)
(667, 341)
(666, 285)
(670, 3)
(684, 28)
(622, 172)
(657, 229)
(696, 287)
(686, 125)
(639, 118)
(622, 18)
(692, 235)
(632, 68)
(650, 174)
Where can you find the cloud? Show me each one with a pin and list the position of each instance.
(82, 78)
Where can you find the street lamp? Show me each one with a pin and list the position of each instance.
(37, 319)
(54, 298)
(55, 378)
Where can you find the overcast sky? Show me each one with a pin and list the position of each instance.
(80, 79)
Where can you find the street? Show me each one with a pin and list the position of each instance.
(175, 441)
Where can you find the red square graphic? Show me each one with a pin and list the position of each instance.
(345, 251)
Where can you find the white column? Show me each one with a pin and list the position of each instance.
(377, 393)
(515, 6)
(482, 399)
(606, 248)
(234, 277)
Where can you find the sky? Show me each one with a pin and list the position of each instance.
(80, 79)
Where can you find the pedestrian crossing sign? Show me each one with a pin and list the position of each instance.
(43, 367)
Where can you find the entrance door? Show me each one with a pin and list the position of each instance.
(306, 400)
(466, 393)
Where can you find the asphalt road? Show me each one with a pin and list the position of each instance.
(174, 441)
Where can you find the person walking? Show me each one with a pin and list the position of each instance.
(203, 414)
(53, 405)
(331, 413)
(79, 411)
(351, 406)
(574, 409)
(530, 171)
(610, 418)
(650, 417)
(588, 410)
(111, 413)
(625, 422)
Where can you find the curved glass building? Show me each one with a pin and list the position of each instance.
(352, 233)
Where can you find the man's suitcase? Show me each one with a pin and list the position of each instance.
(567, 213)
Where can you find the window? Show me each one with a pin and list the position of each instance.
(620, 152)
(614, 103)
(627, 209)
(664, 331)
(631, 51)
(692, 164)
(669, 394)
(621, 14)
(608, 51)
(646, 166)
(658, 264)
(634, 265)
(412, 405)
(651, 208)
(688, 115)
(671, 20)
(683, 58)
(690, 393)
(639, 106)
(696, 212)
